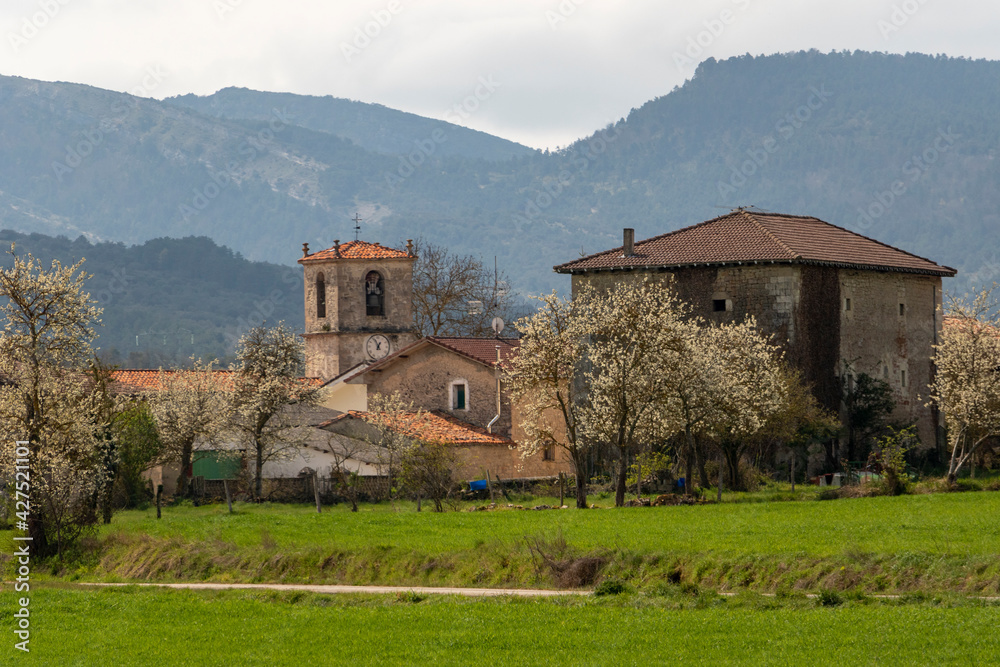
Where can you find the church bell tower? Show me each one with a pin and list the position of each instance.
(358, 302)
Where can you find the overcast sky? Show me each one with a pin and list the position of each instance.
(541, 72)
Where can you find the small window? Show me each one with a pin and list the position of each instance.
(374, 294)
(902, 309)
(902, 378)
(549, 453)
(459, 396)
(719, 305)
(847, 304)
(320, 295)
(885, 372)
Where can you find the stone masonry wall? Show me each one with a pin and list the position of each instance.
(425, 378)
(336, 342)
(877, 339)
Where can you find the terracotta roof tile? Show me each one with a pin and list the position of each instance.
(148, 379)
(750, 236)
(357, 250)
(481, 349)
(433, 426)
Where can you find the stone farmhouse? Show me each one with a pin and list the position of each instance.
(840, 303)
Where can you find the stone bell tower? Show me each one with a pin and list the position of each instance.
(358, 305)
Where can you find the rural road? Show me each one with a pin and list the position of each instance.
(332, 589)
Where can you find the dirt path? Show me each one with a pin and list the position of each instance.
(332, 589)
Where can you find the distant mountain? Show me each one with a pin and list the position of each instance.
(371, 126)
(168, 299)
(901, 148)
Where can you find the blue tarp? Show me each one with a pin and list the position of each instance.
(477, 485)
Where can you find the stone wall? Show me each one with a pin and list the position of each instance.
(336, 342)
(425, 379)
(805, 308)
(878, 339)
(506, 463)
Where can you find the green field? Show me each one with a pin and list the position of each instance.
(930, 543)
(145, 627)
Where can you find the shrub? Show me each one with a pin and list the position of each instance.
(610, 587)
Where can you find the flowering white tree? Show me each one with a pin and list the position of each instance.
(746, 387)
(191, 406)
(267, 381)
(966, 385)
(546, 386)
(45, 348)
(637, 333)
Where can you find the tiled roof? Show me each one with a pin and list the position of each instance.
(482, 350)
(433, 426)
(745, 236)
(357, 250)
(148, 379)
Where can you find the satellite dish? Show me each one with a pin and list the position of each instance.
(497, 325)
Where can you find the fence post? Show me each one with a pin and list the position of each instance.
(315, 481)
(159, 492)
(229, 500)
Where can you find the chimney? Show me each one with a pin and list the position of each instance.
(336, 247)
(409, 247)
(305, 249)
(628, 242)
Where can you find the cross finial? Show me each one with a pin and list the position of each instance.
(357, 226)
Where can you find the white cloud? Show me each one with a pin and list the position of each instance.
(566, 67)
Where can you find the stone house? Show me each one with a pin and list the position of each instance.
(839, 302)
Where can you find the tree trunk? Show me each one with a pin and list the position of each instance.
(622, 477)
(688, 461)
(258, 486)
(182, 481)
(702, 475)
(580, 465)
(793, 471)
(718, 493)
(732, 457)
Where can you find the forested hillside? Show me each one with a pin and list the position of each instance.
(901, 148)
(168, 299)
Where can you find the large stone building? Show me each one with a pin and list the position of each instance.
(840, 302)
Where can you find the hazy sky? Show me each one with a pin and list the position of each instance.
(541, 72)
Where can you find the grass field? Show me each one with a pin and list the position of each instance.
(931, 543)
(146, 627)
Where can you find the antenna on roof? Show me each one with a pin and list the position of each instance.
(357, 225)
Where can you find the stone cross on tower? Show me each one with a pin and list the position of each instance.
(357, 226)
